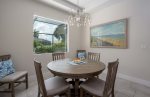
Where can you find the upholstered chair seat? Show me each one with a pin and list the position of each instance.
(13, 77)
(95, 85)
(55, 85)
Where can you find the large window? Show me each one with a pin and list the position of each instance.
(49, 35)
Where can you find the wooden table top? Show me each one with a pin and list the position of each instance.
(63, 68)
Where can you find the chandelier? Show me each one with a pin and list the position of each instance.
(78, 17)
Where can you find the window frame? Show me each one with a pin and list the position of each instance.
(54, 20)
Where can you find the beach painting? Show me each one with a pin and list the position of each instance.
(112, 35)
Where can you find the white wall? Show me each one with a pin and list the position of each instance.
(16, 36)
(134, 61)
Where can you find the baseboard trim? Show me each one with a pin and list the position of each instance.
(133, 79)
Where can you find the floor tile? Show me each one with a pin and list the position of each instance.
(119, 94)
(141, 88)
(141, 94)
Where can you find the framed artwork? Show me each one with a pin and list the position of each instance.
(81, 54)
(111, 35)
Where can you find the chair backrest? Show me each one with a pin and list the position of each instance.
(58, 56)
(5, 57)
(40, 78)
(94, 56)
(111, 77)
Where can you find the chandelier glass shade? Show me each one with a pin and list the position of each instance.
(78, 17)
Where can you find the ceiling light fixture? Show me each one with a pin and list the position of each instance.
(78, 17)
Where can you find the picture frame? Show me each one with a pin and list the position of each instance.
(109, 35)
(81, 54)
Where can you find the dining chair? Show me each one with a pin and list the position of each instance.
(58, 56)
(94, 56)
(52, 86)
(100, 88)
(14, 79)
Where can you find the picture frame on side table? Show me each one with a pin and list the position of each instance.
(81, 54)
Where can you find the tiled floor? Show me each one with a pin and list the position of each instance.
(123, 88)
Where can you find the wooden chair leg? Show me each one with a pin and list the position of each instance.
(38, 92)
(112, 93)
(12, 90)
(81, 92)
(9, 85)
(26, 77)
(68, 93)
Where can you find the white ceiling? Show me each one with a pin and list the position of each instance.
(89, 5)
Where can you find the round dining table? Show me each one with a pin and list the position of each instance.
(68, 69)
